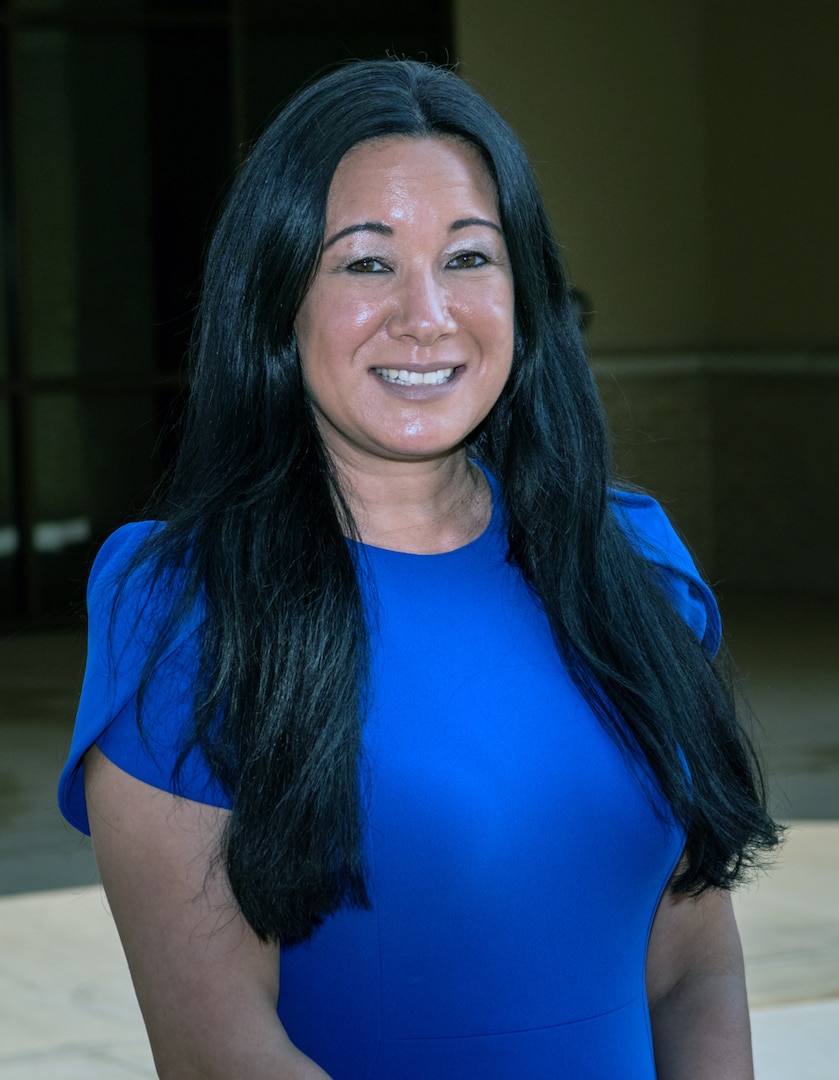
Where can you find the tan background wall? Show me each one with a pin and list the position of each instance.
(772, 93)
(688, 153)
(607, 96)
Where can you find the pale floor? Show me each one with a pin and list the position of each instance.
(67, 1011)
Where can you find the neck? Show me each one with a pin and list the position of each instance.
(421, 507)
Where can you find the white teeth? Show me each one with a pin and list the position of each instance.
(415, 378)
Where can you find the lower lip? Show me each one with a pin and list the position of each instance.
(422, 391)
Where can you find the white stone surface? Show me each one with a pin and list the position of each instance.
(789, 921)
(67, 1006)
(799, 1042)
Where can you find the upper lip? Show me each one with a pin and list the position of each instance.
(422, 369)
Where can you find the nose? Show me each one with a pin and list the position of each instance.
(422, 310)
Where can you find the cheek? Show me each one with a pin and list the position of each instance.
(358, 315)
(303, 323)
(334, 328)
(500, 330)
(502, 307)
(490, 312)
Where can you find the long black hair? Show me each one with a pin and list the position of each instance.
(256, 527)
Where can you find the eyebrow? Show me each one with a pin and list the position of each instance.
(385, 230)
(465, 223)
(362, 226)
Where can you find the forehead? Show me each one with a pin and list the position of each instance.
(397, 169)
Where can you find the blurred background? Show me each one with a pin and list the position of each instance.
(687, 152)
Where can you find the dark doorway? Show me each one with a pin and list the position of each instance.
(121, 123)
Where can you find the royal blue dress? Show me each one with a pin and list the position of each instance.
(515, 857)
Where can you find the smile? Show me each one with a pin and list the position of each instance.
(415, 378)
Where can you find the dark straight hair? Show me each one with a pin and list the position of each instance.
(256, 527)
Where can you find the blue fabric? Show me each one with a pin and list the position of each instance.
(116, 654)
(648, 527)
(515, 857)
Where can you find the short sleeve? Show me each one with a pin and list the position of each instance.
(649, 529)
(126, 613)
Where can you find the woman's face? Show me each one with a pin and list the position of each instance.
(406, 335)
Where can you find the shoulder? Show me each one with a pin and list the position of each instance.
(133, 591)
(123, 544)
(649, 529)
(117, 566)
(132, 615)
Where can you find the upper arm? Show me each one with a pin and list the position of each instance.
(696, 990)
(691, 937)
(206, 985)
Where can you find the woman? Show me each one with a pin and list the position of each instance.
(404, 718)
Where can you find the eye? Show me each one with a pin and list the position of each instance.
(367, 265)
(467, 260)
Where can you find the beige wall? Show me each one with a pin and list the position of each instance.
(772, 85)
(688, 154)
(607, 97)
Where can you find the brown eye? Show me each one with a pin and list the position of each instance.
(467, 260)
(367, 265)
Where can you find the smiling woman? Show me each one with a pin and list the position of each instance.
(406, 334)
(401, 742)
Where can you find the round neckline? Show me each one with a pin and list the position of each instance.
(490, 527)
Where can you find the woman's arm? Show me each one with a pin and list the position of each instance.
(206, 985)
(697, 990)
